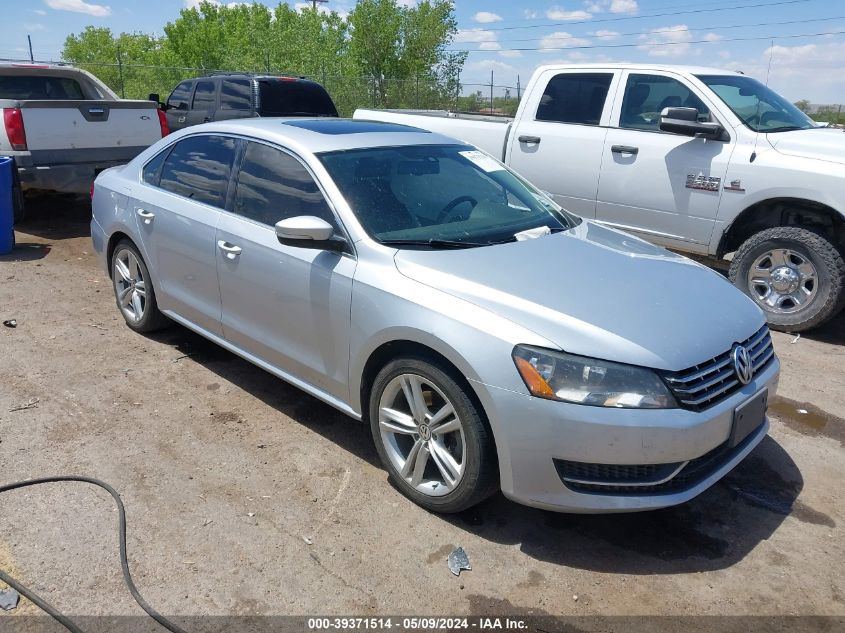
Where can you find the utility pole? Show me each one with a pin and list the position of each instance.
(31, 56)
(120, 72)
(314, 3)
(491, 92)
(517, 88)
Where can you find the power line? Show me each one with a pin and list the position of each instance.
(650, 15)
(671, 30)
(644, 44)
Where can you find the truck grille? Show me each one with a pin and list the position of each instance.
(707, 383)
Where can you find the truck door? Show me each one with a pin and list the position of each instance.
(204, 102)
(559, 135)
(177, 105)
(663, 186)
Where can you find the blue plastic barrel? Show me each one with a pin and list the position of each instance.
(7, 205)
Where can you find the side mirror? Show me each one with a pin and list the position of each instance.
(308, 231)
(685, 121)
(156, 98)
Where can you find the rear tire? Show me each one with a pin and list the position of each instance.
(133, 290)
(437, 448)
(795, 275)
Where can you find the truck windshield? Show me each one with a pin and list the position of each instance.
(440, 196)
(293, 97)
(761, 109)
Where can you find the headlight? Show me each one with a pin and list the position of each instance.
(581, 380)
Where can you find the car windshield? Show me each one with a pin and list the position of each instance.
(761, 109)
(440, 196)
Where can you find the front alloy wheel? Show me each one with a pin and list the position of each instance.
(431, 436)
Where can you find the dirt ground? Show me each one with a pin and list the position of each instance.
(246, 496)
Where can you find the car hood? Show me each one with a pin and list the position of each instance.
(598, 292)
(821, 144)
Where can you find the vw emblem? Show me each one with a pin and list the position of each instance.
(742, 364)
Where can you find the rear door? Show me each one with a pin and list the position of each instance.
(661, 185)
(177, 212)
(287, 306)
(557, 140)
(178, 104)
(204, 102)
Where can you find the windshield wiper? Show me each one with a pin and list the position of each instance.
(787, 128)
(438, 243)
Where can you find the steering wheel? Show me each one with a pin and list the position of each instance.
(450, 208)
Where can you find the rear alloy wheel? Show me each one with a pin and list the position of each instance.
(133, 290)
(796, 276)
(430, 437)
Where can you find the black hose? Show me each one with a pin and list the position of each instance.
(124, 563)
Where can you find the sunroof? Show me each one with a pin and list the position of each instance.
(347, 126)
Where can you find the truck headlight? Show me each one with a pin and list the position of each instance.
(589, 381)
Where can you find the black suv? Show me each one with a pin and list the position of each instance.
(236, 96)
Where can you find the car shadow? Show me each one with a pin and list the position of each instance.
(832, 332)
(714, 531)
(352, 436)
(27, 252)
(56, 216)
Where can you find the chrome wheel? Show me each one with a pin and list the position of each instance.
(422, 434)
(129, 285)
(782, 281)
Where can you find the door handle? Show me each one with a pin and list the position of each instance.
(146, 216)
(529, 139)
(624, 149)
(230, 250)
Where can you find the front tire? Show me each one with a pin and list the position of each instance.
(795, 275)
(133, 289)
(431, 437)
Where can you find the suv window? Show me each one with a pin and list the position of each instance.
(574, 98)
(647, 95)
(273, 186)
(236, 94)
(39, 87)
(294, 97)
(180, 96)
(198, 168)
(204, 96)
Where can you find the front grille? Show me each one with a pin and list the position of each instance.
(707, 383)
(634, 480)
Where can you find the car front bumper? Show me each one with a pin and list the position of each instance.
(533, 435)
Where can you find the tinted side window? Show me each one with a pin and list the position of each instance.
(180, 96)
(199, 167)
(574, 98)
(647, 95)
(39, 87)
(236, 94)
(204, 96)
(273, 186)
(152, 170)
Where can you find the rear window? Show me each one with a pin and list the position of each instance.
(199, 167)
(39, 87)
(280, 97)
(204, 96)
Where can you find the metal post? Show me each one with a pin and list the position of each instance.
(31, 56)
(491, 92)
(518, 95)
(120, 72)
(417, 92)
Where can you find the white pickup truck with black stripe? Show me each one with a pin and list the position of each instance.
(63, 126)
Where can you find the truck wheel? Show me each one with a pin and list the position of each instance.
(795, 275)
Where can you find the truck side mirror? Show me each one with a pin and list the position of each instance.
(156, 98)
(685, 121)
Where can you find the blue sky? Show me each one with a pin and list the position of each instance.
(687, 32)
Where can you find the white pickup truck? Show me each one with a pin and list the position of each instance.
(63, 126)
(701, 160)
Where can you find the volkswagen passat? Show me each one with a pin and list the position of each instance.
(489, 338)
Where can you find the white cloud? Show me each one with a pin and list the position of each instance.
(34, 27)
(561, 39)
(510, 53)
(485, 17)
(530, 15)
(603, 34)
(668, 41)
(408, 4)
(624, 6)
(321, 8)
(559, 13)
(490, 64)
(79, 6)
(485, 39)
(713, 37)
(39, 12)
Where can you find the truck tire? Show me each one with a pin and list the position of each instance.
(18, 205)
(795, 275)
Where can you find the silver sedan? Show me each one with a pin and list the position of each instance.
(490, 339)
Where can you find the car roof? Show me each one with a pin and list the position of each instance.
(677, 68)
(325, 134)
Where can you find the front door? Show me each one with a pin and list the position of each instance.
(663, 186)
(557, 142)
(287, 306)
(177, 214)
(204, 102)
